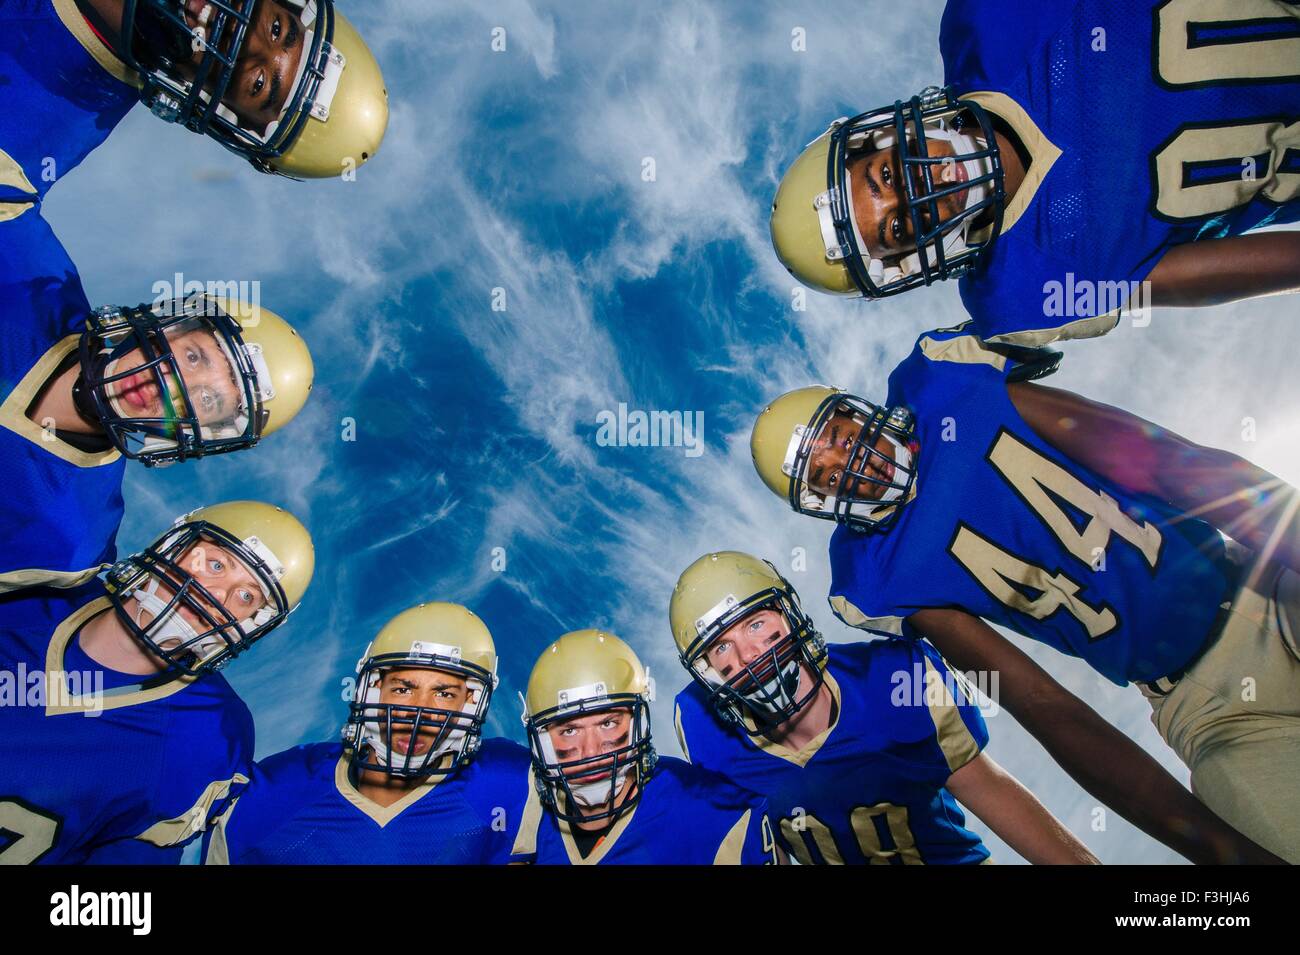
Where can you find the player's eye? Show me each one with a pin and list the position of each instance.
(258, 84)
(216, 565)
(275, 29)
(834, 480)
(191, 356)
(246, 596)
(896, 230)
(886, 175)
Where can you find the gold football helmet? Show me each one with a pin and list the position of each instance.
(202, 375)
(442, 637)
(944, 230)
(335, 106)
(582, 673)
(220, 579)
(871, 452)
(721, 591)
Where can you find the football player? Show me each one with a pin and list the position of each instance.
(1079, 148)
(973, 495)
(608, 797)
(413, 781)
(119, 741)
(860, 748)
(85, 390)
(286, 84)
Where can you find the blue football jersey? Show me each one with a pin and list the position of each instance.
(64, 92)
(1007, 528)
(62, 505)
(1149, 125)
(870, 790)
(303, 807)
(687, 815)
(100, 766)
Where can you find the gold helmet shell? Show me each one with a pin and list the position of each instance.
(288, 360)
(358, 115)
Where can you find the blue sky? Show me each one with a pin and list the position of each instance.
(476, 430)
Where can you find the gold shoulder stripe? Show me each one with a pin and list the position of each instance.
(733, 845)
(958, 745)
(526, 838)
(12, 175)
(681, 734)
(36, 577)
(173, 832)
(854, 617)
(12, 210)
(966, 350)
(13, 411)
(81, 32)
(1078, 329)
(218, 848)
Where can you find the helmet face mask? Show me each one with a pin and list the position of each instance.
(945, 246)
(159, 583)
(614, 779)
(764, 693)
(132, 350)
(373, 725)
(161, 42)
(861, 499)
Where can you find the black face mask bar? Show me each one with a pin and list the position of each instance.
(162, 562)
(415, 720)
(638, 756)
(176, 434)
(744, 700)
(929, 228)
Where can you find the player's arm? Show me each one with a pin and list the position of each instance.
(1244, 501)
(1101, 759)
(1218, 271)
(1016, 815)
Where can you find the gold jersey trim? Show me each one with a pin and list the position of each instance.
(1043, 153)
(76, 23)
(13, 411)
(174, 832)
(111, 699)
(381, 815)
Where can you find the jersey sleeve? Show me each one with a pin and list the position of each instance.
(749, 841)
(134, 852)
(206, 769)
(953, 709)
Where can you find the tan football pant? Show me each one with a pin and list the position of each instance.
(1234, 717)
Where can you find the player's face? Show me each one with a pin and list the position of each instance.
(207, 373)
(428, 689)
(224, 577)
(831, 453)
(588, 737)
(744, 643)
(267, 64)
(880, 198)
